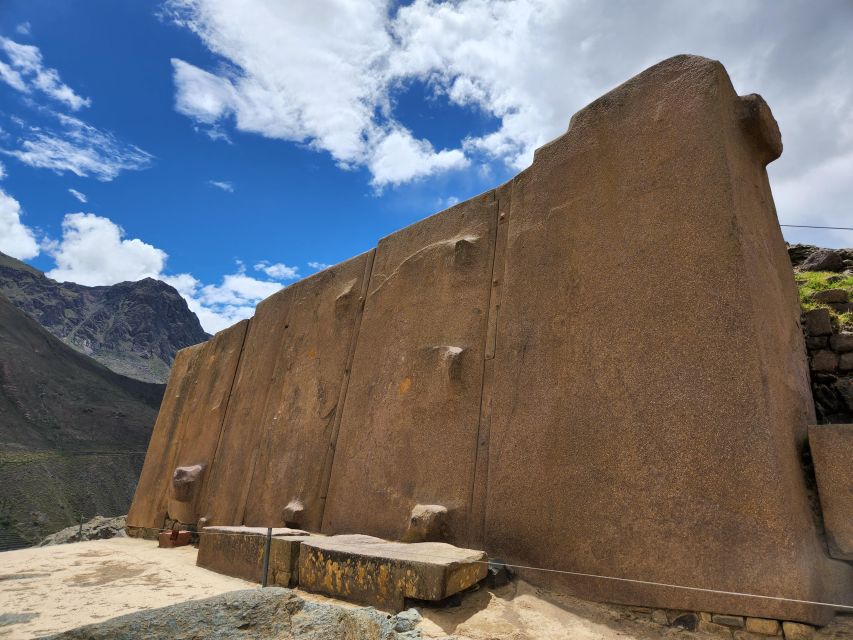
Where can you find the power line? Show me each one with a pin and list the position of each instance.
(810, 226)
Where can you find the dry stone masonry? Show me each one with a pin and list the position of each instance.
(473, 379)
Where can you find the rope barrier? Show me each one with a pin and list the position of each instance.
(564, 572)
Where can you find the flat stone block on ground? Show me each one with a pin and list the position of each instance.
(170, 539)
(381, 573)
(239, 552)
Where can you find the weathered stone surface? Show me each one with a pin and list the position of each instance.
(98, 528)
(176, 538)
(830, 295)
(259, 614)
(797, 631)
(817, 322)
(842, 342)
(763, 626)
(832, 453)
(825, 361)
(824, 260)
(412, 411)
(735, 622)
(189, 422)
(239, 552)
(427, 523)
(374, 571)
(481, 377)
(585, 432)
(303, 408)
(845, 362)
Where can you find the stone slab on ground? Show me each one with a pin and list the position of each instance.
(382, 573)
(239, 552)
(832, 452)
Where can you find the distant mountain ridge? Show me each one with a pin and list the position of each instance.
(73, 433)
(132, 328)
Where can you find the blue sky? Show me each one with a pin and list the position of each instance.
(230, 146)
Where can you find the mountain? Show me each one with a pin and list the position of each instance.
(132, 328)
(73, 433)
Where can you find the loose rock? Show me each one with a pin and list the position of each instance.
(824, 260)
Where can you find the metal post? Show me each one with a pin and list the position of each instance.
(267, 556)
(80, 529)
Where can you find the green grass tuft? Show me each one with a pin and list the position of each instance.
(808, 282)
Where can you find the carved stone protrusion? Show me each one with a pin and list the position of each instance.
(427, 523)
(293, 514)
(185, 482)
(451, 360)
(760, 126)
(464, 250)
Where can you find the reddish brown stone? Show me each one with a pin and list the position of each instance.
(170, 539)
(832, 453)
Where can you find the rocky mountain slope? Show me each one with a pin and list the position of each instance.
(73, 433)
(132, 328)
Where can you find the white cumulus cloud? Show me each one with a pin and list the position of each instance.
(24, 71)
(325, 73)
(16, 239)
(23, 28)
(278, 270)
(319, 266)
(93, 251)
(305, 72)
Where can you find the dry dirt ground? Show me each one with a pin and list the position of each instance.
(49, 589)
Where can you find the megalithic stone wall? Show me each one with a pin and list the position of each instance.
(596, 368)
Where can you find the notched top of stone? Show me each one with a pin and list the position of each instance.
(437, 553)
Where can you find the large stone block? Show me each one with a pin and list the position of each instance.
(411, 417)
(239, 552)
(381, 573)
(660, 442)
(832, 452)
(284, 411)
(188, 425)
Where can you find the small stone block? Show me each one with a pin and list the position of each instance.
(825, 361)
(815, 343)
(170, 539)
(763, 626)
(727, 621)
(797, 631)
(741, 634)
(817, 322)
(714, 629)
(381, 573)
(842, 342)
(659, 616)
(845, 362)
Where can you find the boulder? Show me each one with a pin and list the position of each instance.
(98, 528)
(830, 296)
(259, 614)
(824, 260)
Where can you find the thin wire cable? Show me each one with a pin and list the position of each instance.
(810, 226)
(562, 571)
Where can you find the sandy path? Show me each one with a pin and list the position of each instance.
(61, 587)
